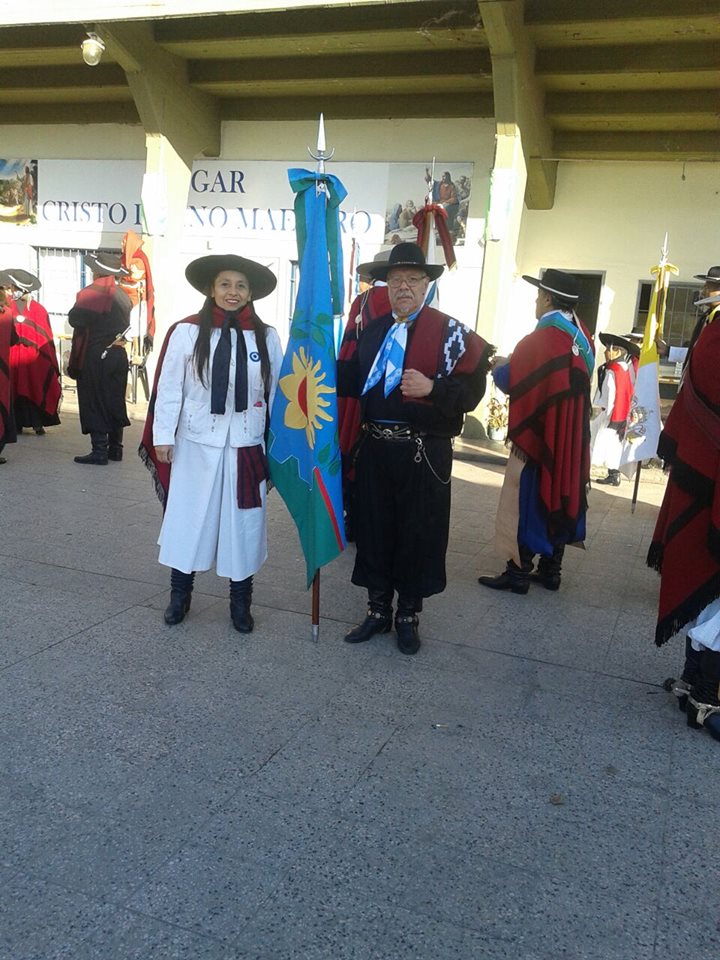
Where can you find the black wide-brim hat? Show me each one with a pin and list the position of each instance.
(201, 273)
(22, 279)
(406, 255)
(712, 276)
(105, 264)
(563, 285)
(614, 340)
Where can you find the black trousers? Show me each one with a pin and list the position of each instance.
(402, 516)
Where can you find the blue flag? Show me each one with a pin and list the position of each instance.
(303, 445)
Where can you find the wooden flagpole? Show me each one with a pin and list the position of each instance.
(321, 155)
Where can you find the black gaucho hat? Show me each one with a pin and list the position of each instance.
(614, 340)
(105, 264)
(22, 279)
(201, 273)
(403, 255)
(563, 285)
(712, 276)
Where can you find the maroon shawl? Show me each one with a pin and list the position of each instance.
(33, 363)
(549, 421)
(685, 548)
(365, 308)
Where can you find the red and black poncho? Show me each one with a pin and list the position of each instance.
(685, 548)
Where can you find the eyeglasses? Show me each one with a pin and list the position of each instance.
(412, 282)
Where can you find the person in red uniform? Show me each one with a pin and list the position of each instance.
(34, 370)
(7, 335)
(543, 501)
(615, 385)
(685, 547)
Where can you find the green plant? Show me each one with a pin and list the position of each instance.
(497, 414)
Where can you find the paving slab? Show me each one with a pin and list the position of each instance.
(523, 788)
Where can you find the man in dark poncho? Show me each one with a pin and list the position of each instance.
(98, 360)
(544, 495)
(685, 548)
(416, 372)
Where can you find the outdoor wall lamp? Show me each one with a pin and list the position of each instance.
(92, 49)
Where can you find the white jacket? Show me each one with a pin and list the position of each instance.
(182, 406)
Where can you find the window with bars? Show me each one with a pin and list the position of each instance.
(680, 311)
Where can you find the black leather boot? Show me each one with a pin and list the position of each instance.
(549, 569)
(181, 586)
(240, 600)
(115, 445)
(406, 626)
(514, 578)
(377, 620)
(703, 706)
(611, 480)
(99, 453)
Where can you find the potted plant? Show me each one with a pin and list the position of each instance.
(497, 421)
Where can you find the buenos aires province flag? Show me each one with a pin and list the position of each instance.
(303, 444)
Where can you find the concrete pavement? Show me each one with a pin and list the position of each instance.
(521, 789)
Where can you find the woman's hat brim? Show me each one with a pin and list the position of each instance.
(201, 273)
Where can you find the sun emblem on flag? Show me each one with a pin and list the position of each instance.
(304, 389)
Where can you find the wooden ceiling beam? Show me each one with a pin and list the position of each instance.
(432, 106)
(474, 63)
(637, 145)
(628, 58)
(643, 103)
(79, 113)
(431, 18)
(54, 78)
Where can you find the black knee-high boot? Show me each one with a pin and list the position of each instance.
(115, 444)
(240, 600)
(549, 569)
(181, 585)
(703, 707)
(378, 618)
(406, 624)
(99, 453)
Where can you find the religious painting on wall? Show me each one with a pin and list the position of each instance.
(18, 191)
(446, 184)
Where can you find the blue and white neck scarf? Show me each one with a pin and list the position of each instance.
(390, 357)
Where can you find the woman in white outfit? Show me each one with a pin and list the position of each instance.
(216, 380)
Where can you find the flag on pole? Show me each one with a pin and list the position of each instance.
(644, 424)
(303, 444)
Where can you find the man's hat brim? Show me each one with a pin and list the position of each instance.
(105, 265)
(22, 279)
(201, 273)
(379, 271)
(712, 276)
(613, 340)
(551, 286)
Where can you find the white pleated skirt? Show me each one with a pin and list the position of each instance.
(203, 526)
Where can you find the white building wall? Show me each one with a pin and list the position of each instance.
(612, 218)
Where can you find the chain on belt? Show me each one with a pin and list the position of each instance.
(402, 431)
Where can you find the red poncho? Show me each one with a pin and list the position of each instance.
(548, 421)
(685, 548)
(6, 326)
(34, 368)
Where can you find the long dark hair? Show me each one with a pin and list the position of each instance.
(201, 350)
